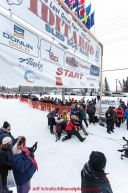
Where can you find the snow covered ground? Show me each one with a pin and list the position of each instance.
(60, 163)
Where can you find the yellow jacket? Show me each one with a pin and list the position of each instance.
(66, 117)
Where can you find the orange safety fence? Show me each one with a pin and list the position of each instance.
(10, 97)
(45, 106)
(41, 105)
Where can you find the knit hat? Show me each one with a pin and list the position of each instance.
(6, 125)
(6, 140)
(97, 160)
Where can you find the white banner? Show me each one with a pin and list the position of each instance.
(51, 19)
(43, 64)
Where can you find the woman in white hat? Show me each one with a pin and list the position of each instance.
(4, 162)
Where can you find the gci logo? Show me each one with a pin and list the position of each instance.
(51, 55)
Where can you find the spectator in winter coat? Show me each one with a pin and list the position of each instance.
(82, 117)
(93, 177)
(71, 129)
(5, 131)
(119, 115)
(111, 120)
(126, 116)
(98, 98)
(59, 127)
(23, 164)
(51, 119)
(5, 162)
(73, 110)
(65, 116)
(124, 108)
(106, 115)
(91, 109)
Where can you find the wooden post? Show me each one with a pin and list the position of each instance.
(101, 74)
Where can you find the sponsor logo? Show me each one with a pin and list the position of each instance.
(97, 54)
(14, 2)
(15, 42)
(94, 71)
(18, 32)
(84, 67)
(32, 63)
(51, 55)
(72, 62)
(72, 83)
(83, 84)
(92, 85)
(30, 76)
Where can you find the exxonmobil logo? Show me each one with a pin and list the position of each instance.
(94, 70)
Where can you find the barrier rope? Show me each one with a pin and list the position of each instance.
(115, 140)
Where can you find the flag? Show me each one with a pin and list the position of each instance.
(80, 7)
(90, 21)
(84, 18)
(88, 9)
(71, 3)
(85, 15)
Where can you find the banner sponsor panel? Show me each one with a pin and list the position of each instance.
(17, 37)
(51, 19)
(51, 53)
(45, 65)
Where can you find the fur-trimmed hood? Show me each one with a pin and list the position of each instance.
(2, 128)
(59, 120)
(21, 140)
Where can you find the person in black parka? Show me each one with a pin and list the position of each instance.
(93, 177)
(91, 109)
(5, 164)
(51, 119)
(5, 131)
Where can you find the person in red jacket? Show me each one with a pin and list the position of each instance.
(119, 115)
(71, 129)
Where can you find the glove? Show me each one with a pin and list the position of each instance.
(34, 147)
(26, 151)
(35, 163)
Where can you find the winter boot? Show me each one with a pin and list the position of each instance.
(83, 139)
(63, 139)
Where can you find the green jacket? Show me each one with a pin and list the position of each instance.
(81, 114)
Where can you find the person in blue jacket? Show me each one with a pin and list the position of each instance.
(73, 110)
(23, 164)
(126, 116)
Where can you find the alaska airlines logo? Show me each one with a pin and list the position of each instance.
(14, 2)
(32, 63)
(30, 76)
(51, 55)
(72, 62)
(18, 32)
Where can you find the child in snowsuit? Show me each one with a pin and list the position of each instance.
(59, 127)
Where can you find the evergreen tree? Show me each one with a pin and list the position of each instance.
(126, 85)
(106, 85)
(123, 85)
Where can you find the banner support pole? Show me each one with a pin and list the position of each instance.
(101, 78)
